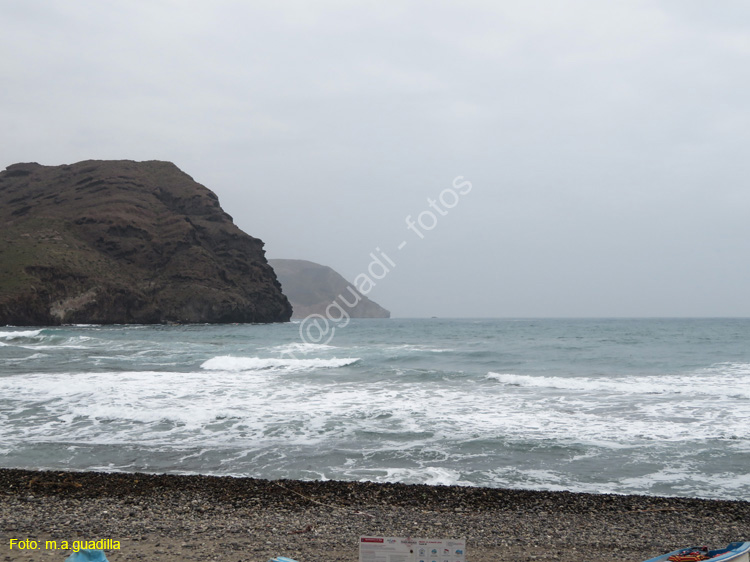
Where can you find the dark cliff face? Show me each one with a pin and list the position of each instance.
(118, 242)
(312, 287)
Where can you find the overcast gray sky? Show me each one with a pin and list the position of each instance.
(606, 142)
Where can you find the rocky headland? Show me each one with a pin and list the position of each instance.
(312, 288)
(121, 242)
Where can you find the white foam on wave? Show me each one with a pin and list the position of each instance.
(41, 340)
(29, 358)
(688, 481)
(215, 405)
(417, 348)
(118, 407)
(20, 334)
(585, 384)
(174, 409)
(430, 475)
(218, 409)
(611, 412)
(737, 369)
(533, 478)
(720, 380)
(238, 364)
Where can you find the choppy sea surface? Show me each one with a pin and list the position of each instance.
(652, 406)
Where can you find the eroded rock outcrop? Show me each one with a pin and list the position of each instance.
(118, 242)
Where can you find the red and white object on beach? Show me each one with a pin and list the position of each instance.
(734, 552)
(408, 549)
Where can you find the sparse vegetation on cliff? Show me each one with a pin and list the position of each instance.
(113, 242)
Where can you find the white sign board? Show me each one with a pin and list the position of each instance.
(401, 549)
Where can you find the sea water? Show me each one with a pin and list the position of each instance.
(647, 406)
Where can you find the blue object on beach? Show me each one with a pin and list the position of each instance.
(87, 556)
(282, 559)
(735, 552)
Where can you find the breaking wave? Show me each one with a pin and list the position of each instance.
(229, 363)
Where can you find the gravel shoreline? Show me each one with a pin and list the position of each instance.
(180, 518)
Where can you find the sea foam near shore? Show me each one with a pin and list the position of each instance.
(624, 406)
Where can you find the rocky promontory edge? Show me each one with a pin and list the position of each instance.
(313, 288)
(122, 242)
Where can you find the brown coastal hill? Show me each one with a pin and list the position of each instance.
(117, 242)
(312, 287)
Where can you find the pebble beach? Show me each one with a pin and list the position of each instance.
(202, 518)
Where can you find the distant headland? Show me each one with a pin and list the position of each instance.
(313, 288)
